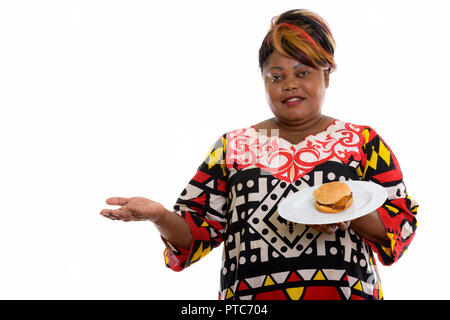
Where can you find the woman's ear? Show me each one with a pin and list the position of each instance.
(326, 77)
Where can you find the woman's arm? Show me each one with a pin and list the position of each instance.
(174, 229)
(371, 228)
(398, 213)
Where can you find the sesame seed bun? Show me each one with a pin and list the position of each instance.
(333, 197)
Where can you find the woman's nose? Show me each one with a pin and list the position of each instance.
(290, 85)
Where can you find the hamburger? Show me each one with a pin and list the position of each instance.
(333, 197)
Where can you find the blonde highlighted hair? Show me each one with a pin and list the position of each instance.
(302, 35)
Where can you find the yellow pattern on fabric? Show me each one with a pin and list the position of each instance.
(372, 162)
(268, 281)
(229, 294)
(391, 208)
(358, 286)
(380, 291)
(204, 224)
(371, 261)
(393, 240)
(224, 144)
(216, 156)
(200, 253)
(365, 134)
(166, 257)
(359, 172)
(295, 293)
(387, 250)
(384, 153)
(319, 276)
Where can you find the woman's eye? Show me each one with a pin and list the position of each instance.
(275, 77)
(302, 74)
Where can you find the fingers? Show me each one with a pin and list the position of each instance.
(117, 214)
(117, 201)
(125, 214)
(318, 227)
(108, 214)
(329, 228)
(343, 225)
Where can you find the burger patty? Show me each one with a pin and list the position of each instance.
(338, 205)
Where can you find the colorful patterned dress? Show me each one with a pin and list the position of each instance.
(233, 199)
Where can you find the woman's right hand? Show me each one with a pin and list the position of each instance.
(134, 209)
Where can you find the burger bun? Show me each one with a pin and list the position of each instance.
(333, 197)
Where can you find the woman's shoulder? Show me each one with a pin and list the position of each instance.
(243, 130)
(359, 127)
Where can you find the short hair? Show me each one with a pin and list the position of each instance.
(302, 35)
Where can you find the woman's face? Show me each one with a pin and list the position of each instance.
(295, 91)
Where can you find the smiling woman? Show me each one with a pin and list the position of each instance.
(296, 58)
(234, 196)
(295, 93)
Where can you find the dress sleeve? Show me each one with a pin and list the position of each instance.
(398, 213)
(203, 203)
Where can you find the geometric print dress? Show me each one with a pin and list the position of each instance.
(233, 198)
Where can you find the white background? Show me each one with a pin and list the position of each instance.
(124, 98)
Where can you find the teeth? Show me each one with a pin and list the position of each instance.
(293, 99)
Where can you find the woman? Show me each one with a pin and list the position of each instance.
(233, 197)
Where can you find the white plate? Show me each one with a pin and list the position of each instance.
(299, 207)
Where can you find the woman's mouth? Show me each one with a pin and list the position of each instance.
(292, 101)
